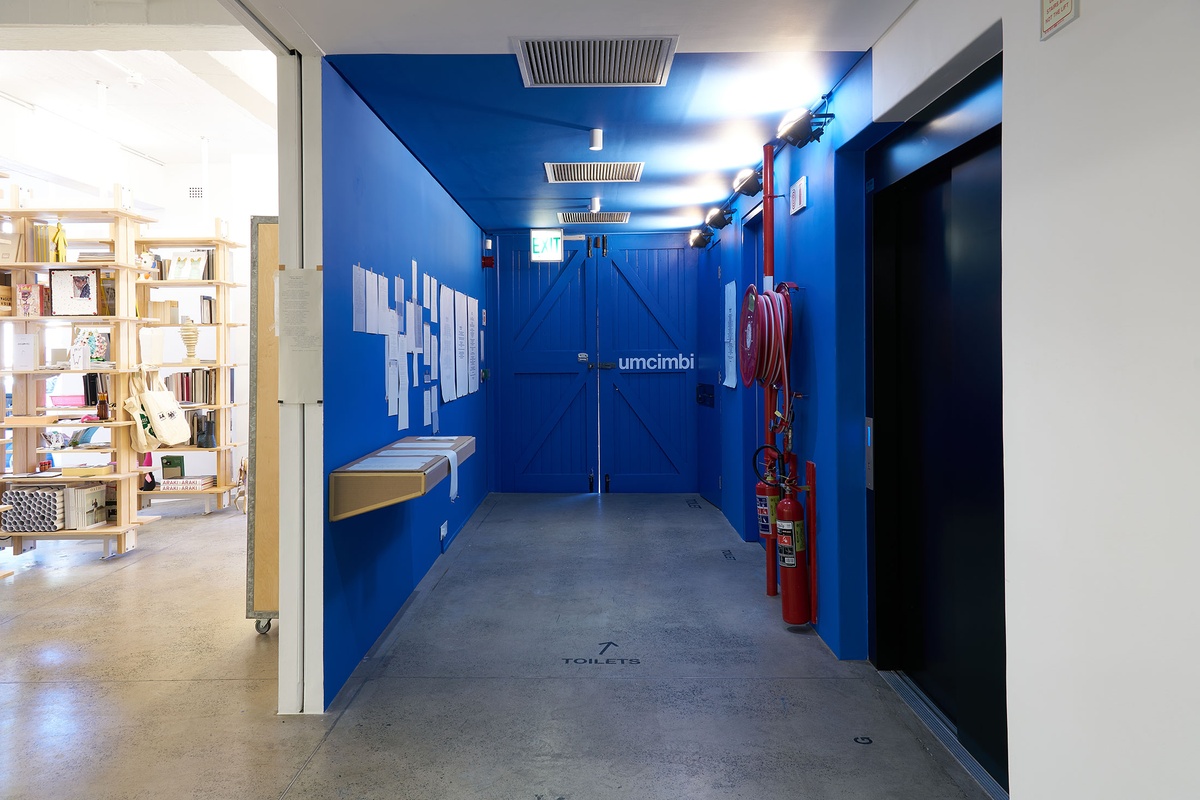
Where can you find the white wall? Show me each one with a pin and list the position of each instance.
(934, 45)
(1101, 376)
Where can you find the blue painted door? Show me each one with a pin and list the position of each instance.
(547, 407)
(647, 337)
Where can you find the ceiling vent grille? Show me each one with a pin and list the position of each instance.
(633, 61)
(588, 217)
(594, 172)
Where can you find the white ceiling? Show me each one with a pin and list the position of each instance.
(228, 98)
(480, 26)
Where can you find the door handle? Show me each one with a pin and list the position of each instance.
(608, 365)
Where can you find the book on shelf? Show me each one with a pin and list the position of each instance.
(95, 256)
(196, 483)
(31, 300)
(43, 243)
(164, 311)
(172, 467)
(206, 309)
(193, 266)
(86, 506)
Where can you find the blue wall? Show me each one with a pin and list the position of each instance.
(382, 210)
(823, 250)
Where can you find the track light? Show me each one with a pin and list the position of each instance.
(802, 126)
(700, 238)
(594, 206)
(748, 182)
(718, 218)
(597, 139)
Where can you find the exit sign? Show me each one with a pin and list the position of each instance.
(546, 244)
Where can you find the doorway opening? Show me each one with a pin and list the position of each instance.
(598, 366)
(935, 389)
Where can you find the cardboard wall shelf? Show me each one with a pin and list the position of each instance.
(367, 484)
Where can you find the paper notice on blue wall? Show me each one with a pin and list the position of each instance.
(446, 354)
(461, 351)
(433, 358)
(372, 303)
(472, 344)
(731, 368)
(358, 297)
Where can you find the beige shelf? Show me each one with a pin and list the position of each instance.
(180, 325)
(109, 476)
(96, 320)
(64, 423)
(189, 449)
(191, 366)
(181, 242)
(353, 491)
(46, 451)
(72, 533)
(45, 266)
(167, 282)
(98, 215)
(50, 373)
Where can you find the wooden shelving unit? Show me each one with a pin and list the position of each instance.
(30, 412)
(220, 361)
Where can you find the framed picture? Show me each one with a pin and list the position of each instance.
(74, 292)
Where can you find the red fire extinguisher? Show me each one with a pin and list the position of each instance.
(767, 497)
(793, 562)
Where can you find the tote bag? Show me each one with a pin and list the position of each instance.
(140, 434)
(167, 420)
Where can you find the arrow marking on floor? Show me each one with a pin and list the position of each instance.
(607, 645)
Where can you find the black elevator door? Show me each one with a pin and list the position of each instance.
(937, 283)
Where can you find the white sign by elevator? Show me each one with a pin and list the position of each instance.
(1056, 15)
(546, 244)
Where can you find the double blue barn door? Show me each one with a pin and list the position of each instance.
(597, 367)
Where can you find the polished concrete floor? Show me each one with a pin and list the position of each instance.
(565, 647)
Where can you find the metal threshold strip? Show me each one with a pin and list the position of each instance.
(937, 724)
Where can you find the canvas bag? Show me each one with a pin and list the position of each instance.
(167, 420)
(141, 434)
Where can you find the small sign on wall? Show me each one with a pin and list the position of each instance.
(798, 197)
(1056, 15)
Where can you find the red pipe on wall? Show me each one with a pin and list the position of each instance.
(769, 398)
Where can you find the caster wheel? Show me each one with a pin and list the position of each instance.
(262, 625)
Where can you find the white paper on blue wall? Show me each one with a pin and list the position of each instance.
(414, 281)
(428, 406)
(393, 387)
(426, 295)
(433, 358)
(461, 366)
(472, 344)
(433, 399)
(446, 353)
(402, 388)
(384, 305)
(400, 303)
(358, 297)
(372, 303)
(731, 368)
(433, 299)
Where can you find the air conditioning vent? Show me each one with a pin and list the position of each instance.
(635, 61)
(587, 217)
(594, 172)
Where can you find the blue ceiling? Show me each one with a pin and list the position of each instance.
(484, 136)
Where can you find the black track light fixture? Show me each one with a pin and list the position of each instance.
(748, 182)
(718, 218)
(802, 126)
(700, 238)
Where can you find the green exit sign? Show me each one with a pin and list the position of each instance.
(546, 244)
